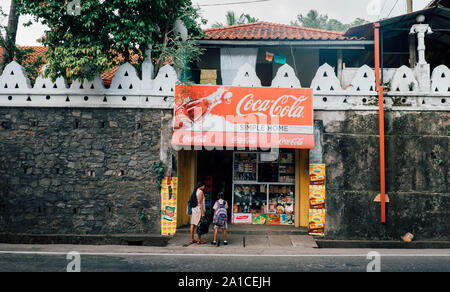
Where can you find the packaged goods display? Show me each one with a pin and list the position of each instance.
(264, 183)
(245, 166)
(317, 196)
(281, 200)
(259, 218)
(316, 221)
(273, 219)
(317, 174)
(169, 213)
(317, 199)
(242, 218)
(287, 168)
(287, 219)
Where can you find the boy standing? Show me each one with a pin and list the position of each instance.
(220, 218)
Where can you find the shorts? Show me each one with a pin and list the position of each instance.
(195, 218)
(225, 226)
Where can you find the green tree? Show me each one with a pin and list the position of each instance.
(8, 41)
(96, 36)
(231, 19)
(11, 51)
(315, 20)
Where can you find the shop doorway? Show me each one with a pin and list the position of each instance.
(215, 169)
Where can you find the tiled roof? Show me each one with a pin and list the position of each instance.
(39, 50)
(108, 76)
(271, 31)
(251, 31)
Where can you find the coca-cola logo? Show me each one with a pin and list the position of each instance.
(284, 106)
(293, 141)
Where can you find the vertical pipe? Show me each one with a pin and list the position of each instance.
(381, 57)
(381, 120)
(409, 6)
(339, 65)
(411, 38)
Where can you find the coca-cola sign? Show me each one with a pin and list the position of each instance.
(285, 105)
(243, 116)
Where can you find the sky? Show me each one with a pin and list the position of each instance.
(277, 11)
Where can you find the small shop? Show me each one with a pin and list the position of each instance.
(250, 143)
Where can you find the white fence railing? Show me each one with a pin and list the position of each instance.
(129, 91)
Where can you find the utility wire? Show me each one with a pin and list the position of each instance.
(392, 9)
(382, 8)
(233, 3)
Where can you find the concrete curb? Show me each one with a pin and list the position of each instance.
(298, 231)
(86, 239)
(324, 243)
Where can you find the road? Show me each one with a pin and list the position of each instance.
(163, 260)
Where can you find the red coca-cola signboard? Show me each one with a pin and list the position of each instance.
(257, 117)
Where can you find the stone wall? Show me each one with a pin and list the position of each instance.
(417, 173)
(79, 171)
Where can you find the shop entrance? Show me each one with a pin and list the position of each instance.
(270, 186)
(214, 168)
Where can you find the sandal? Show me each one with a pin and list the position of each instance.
(201, 242)
(193, 241)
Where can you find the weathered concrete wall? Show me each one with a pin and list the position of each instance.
(88, 171)
(417, 174)
(79, 171)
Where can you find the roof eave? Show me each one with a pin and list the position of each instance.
(300, 43)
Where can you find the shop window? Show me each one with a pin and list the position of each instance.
(263, 188)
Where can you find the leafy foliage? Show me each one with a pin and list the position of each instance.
(23, 56)
(159, 169)
(105, 34)
(315, 20)
(231, 19)
(32, 64)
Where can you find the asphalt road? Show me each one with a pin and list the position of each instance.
(325, 261)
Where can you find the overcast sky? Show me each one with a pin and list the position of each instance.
(277, 11)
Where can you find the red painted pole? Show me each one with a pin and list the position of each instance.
(381, 121)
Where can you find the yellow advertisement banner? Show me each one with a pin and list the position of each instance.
(169, 188)
(317, 177)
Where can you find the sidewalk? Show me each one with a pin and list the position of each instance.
(250, 237)
(242, 239)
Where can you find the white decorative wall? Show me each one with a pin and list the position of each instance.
(127, 90)
(126, 80)
(164, 82)
(404, 80)
(246, 77)
(325, 80)
(46, 85)
(440, 80)
(286, 78)
(14, 77)
(364, 80)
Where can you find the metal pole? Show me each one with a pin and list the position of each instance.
(409, 6)
(382, 56)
